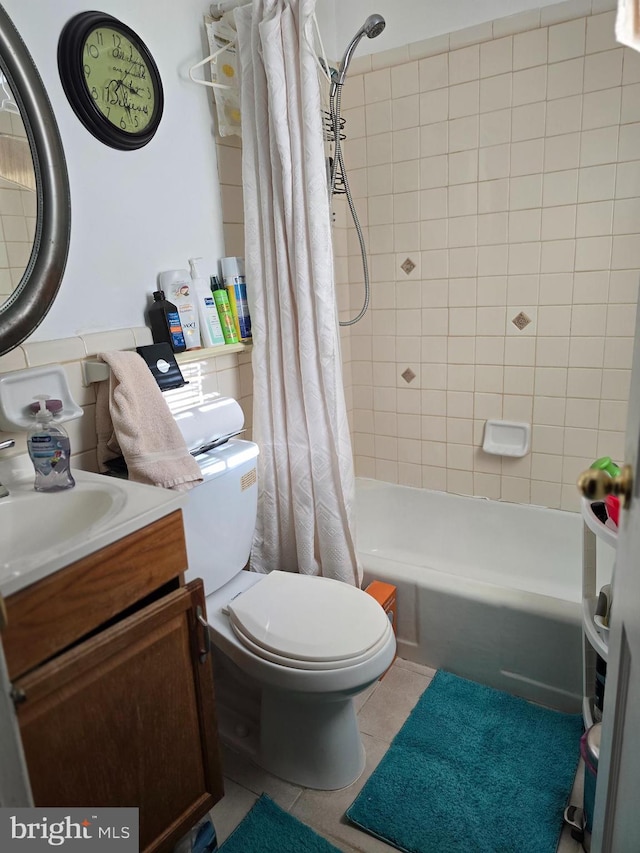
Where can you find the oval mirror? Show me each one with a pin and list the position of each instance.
(42, 189)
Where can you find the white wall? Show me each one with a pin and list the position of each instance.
(134, 213)
(408, 20)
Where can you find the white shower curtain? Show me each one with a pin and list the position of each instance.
(306, 480)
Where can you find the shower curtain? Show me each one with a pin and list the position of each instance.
(306, 479)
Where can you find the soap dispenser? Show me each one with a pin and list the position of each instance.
(49, 448)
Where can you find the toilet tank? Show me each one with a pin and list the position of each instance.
(220, 514)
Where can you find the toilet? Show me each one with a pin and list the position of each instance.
(291, 651)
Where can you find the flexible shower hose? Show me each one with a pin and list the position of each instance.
(335, 99)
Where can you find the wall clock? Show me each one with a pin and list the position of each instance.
(110, 79)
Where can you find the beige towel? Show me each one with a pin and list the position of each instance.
(628, 23)
(132, 417)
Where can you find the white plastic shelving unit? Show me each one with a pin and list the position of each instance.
(594, 642)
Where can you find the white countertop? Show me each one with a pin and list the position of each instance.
(41, 533)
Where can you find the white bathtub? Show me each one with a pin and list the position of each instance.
(488, 590)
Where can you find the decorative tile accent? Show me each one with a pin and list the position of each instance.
(408, 266)
(408, 375)
(521, 321)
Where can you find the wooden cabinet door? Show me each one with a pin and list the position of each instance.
(127, 718)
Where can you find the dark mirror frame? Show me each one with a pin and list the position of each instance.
(27, 306)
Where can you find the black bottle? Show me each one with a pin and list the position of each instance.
(165, 323)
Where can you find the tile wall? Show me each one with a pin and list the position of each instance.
(497, 174)
(18, 203)
(207, 371)
(229, 153)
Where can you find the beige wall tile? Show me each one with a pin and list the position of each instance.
(530, 48)
(495, 93)
(377, 86)
(496, 56)
(529, 85)
(600, 182)
(527, 157)
(603, 70)
(567, 40)
(565, 78)
(464, 64)
(434, 106)
(404, 79)
(434, 72)
(528, 121)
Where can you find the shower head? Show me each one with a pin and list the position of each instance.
(371, 28)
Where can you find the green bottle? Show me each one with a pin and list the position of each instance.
(224, 311)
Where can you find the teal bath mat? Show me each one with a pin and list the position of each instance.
(473, 769)
(269, 829)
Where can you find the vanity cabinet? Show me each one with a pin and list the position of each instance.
(112, 675)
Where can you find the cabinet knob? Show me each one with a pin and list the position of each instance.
(596, 485)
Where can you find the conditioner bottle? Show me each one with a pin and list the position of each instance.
(210, 326)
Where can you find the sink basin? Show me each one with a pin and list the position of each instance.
(41, 532)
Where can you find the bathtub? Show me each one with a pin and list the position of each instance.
(488, 590)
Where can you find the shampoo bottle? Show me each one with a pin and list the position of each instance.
(49, 449)
(178, 286)
(210, 327)
(224, 311)
(165, 323)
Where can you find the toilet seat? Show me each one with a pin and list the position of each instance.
(308, 622)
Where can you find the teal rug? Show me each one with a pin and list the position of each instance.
(473, 769)
(269, 829)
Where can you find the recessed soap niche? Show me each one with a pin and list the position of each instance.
(506, 438)
(19, 389)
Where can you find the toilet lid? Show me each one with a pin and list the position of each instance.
(317, 621)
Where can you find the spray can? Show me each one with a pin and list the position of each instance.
(234, 281)
(224, 311)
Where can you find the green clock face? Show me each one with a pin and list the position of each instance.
(118, 79)
(110, 79)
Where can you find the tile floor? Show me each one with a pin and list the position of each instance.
(383, 708)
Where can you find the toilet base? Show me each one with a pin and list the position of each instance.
(310, 741)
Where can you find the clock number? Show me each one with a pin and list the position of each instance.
(87, 71)
(94, 93)
(135, 121)
(93, 51)
(148, 93)
(123, 124)
(98, 35)
(117, 41)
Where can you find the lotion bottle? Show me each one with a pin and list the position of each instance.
(49, 448)
(210, 326)
(178, 286)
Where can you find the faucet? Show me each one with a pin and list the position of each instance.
(5, 445)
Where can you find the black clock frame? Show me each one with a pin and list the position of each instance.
(71, 68)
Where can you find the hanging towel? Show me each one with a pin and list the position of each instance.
(628, 23)
(132, 418)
